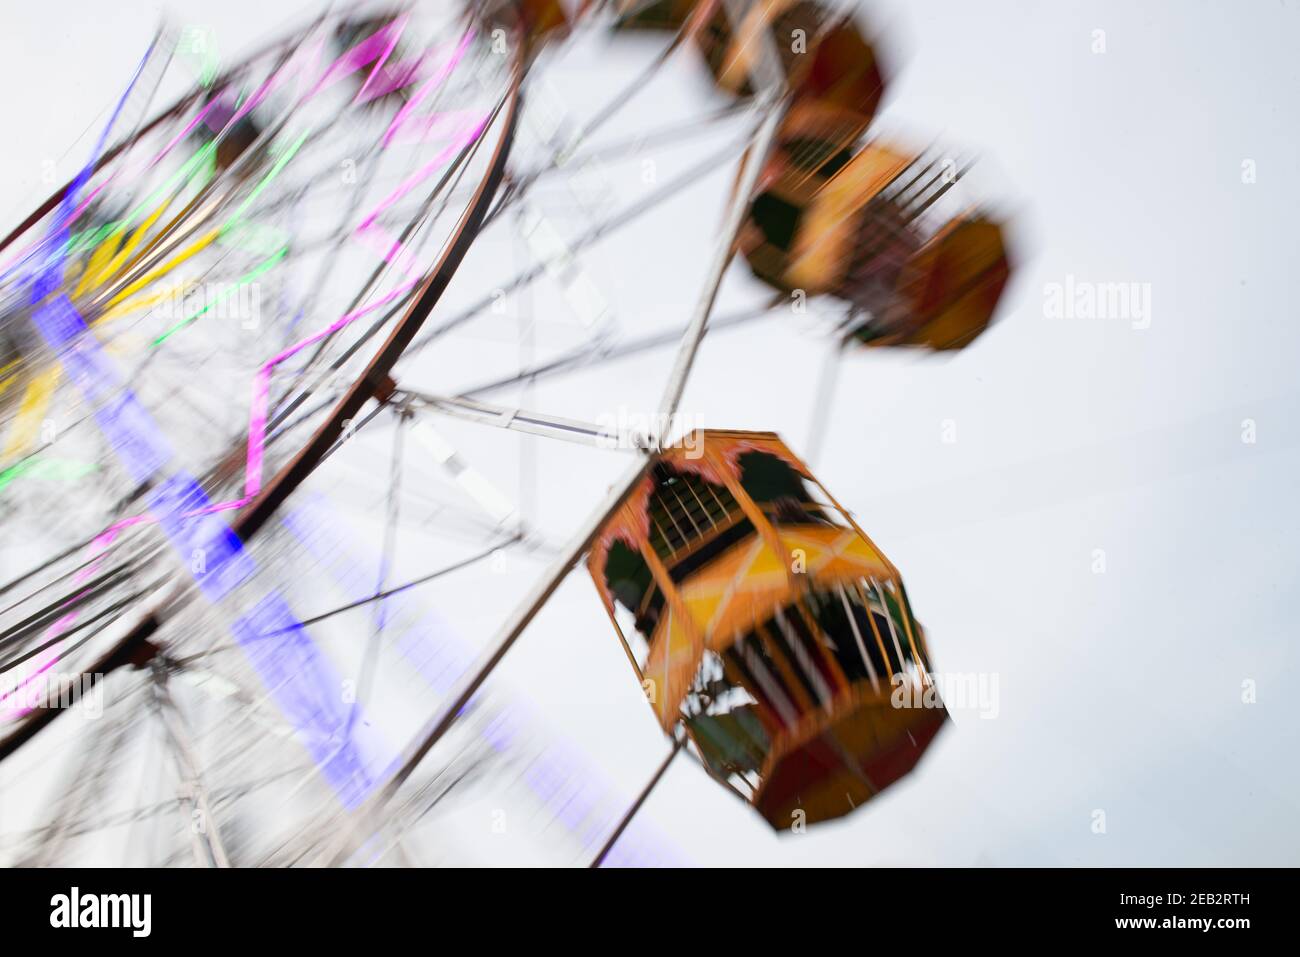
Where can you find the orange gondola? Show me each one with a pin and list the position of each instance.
(860, 228)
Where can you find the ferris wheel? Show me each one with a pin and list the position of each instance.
(234, 292)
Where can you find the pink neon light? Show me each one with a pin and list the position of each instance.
(429, 86)
(10, 711)
(425, 128)
(396, 77)
(400, 24)
(189, 127)
(467, 134)
(262, 388)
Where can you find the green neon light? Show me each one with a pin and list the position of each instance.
(287, 155)
(56, 470)
(248, 277)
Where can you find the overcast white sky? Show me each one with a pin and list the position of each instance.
(1119, 691)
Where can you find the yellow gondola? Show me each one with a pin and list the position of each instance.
(774, 630)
